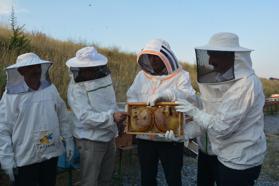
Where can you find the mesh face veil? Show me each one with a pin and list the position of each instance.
(152, 64)
(223, 59)
(215, 66)
(17, 82)
(82, 74)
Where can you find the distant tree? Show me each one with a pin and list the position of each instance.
(18, 41)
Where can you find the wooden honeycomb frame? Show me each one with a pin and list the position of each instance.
(153, 129)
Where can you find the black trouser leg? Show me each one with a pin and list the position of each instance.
(148, 158)
(171, 156)
(27, 175)
(232, 177)
(37, 174)
(207, 169)
(47, 176)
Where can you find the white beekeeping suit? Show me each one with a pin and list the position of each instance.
(161, 79)
(232, 102)
(32, 121)
(93, 101)
(148, 86)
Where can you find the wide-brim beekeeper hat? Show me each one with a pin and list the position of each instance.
(87, 57)
(224, 41)
(28, 59)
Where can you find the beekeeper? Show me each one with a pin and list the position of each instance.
(232, 114)
(92, 99)
(161, 79)
(33, 118)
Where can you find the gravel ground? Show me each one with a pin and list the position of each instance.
(189, 171)
(271, 124)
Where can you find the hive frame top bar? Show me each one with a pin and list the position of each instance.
(157, 104)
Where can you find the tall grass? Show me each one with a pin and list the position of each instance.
(123, 65)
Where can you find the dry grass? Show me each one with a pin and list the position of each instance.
(270, 87)
(123, 65)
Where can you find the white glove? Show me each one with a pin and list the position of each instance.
(10, 173)
(169, 135)
(184, 106)
(191, 130)
(166, 95)
(70, 148)
(202, 118)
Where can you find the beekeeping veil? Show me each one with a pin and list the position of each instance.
(157, 53)
(88, 59)
(15, 81)
(222, 59)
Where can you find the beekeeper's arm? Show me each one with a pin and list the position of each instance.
(230, 114)
(182, 90)
(6, 129)
(80, 105)
(185, 91)
(191, 129)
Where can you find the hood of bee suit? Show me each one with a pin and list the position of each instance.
(162, 49)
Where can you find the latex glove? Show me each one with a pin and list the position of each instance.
(70, 148)
(202, 118)
(184, 106)
(191, 130)
(169, 135)
(166, 95)
(10, 173)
